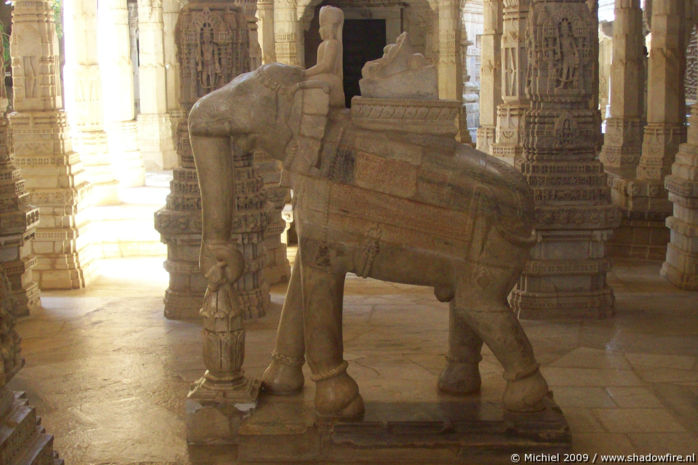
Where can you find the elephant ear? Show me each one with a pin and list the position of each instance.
(308, 119)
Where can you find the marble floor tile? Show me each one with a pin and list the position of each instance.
(633, 397)
(638, 420)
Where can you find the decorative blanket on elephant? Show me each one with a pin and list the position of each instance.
(425, 186)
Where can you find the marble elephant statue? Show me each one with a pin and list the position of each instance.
(391, 205)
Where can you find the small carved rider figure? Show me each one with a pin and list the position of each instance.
(329, 55)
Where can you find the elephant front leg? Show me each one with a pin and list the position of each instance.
(284, 375)
(336, 393)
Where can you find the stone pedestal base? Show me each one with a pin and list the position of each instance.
(509, 137)
(185, 293)
(485, 138)
(17, 262)
(212, 420)
(644, 208)
(565, 278)
(23, 439)
(681, 264)
(59, 186)
(285, 430)
(155, 140)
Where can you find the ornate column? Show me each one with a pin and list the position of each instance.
(155, 134)
(265, 30)
(42, 150)
(23, 437)
(118, 93)
(287, 34)
(170, 13)
(681, 264)
(18, 221)
(642, 197)
(450, 62)
(212, 44)
(490, 74)
(622, 142)
(509, 132)
(566, 275)
(83, 86)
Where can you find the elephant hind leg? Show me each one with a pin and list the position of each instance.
(284, 375)
(461, 374)
(491, 319)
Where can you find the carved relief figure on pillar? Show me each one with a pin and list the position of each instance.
(208, 60)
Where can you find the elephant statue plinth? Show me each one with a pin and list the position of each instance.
(385, 202)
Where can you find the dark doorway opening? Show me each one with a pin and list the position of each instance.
(363, 40)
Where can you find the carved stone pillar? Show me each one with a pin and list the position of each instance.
(509, 132)
(205, 65)
(170, 12)
(641, 195)
(681, 264)
(623, 140)
(490, 74)
(450, 61)
(154, 123)
(18, 221)
(118, 94)
(265, 30)
(53, 172)
(287, 36)
(566, 275)
(83, 86)
(23, 438)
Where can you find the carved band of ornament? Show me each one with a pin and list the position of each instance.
(569, 304)
(581, 217)
(681, 186)
(551, 267)
(423, 116)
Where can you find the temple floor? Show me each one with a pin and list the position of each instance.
(109, 374)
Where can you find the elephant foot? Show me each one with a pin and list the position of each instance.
(459, 378)
(337, 394)
(283, 376)
(526, 393)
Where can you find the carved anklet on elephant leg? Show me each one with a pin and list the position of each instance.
(337, 394)
(525, 390)
(284, 375)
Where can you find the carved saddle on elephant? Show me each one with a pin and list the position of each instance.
(399, 161)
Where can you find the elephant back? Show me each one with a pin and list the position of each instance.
(451, 185)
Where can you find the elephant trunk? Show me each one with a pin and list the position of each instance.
(214, 165)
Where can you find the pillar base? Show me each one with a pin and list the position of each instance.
(681, 268)
(182, 305)
(23, 436)
(214, 416)
(485, 138)
(129, 170)
(644, 208)
(561, 305)
(155, 139)
(95, 157)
